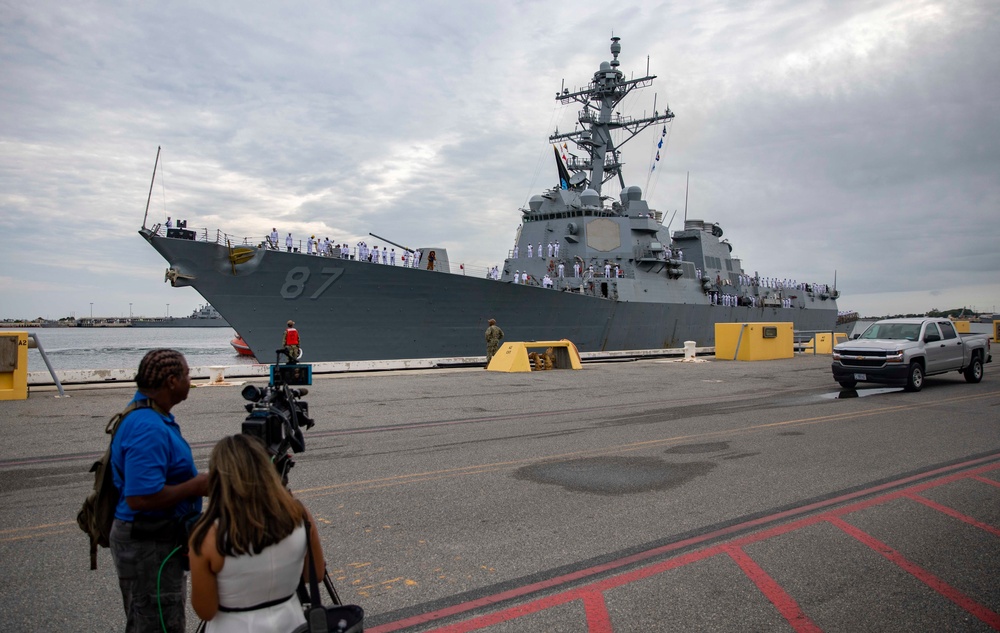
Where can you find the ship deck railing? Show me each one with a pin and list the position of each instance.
(221, 238)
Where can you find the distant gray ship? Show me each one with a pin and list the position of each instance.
(603, 273)
(203, 316)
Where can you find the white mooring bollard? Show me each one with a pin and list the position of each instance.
(689, 352)
(218, 374)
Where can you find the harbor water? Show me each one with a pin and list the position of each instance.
(75, 348)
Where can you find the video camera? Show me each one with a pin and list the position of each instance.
(277, 415)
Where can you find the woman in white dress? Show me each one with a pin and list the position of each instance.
(248, 550)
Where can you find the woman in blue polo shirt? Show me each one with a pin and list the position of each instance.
(160, 488)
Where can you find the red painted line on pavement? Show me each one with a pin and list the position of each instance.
(547, 602)
(954, 595)
(927, 485)
(598, 618)
(986, 480)
(954, 514)
(507, 614)
(786, 605)
(680, 561)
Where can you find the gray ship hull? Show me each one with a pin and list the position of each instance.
(349, 310)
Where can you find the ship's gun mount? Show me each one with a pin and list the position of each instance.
(405, 248)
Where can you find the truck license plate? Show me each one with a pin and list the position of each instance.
(860, 377)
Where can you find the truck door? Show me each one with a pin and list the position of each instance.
(935, 354)
(954, 356)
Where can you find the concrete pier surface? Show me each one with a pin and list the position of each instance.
(647, 495)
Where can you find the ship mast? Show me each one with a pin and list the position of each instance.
(598, 119)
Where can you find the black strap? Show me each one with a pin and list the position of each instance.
(314, 599)
(113, 425)
(262, 605)
(316, 620)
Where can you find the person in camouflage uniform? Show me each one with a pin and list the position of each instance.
(493, 337)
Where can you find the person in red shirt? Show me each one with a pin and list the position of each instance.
(292, 342)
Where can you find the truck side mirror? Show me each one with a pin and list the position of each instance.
(854, 336)
(930, 338)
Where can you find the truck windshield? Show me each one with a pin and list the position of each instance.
(893, 331)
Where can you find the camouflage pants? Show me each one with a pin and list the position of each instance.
(138, 565)
(491, 350)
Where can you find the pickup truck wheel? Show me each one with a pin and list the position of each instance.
(974, 372)
(848, 384)
(915, 377)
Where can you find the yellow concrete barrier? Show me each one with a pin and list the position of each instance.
(13, 366)
(823, 342)
(754, 341)
(962, 327)
(996, 331)
(514, 356)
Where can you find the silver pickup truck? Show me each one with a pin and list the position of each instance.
(904, 351)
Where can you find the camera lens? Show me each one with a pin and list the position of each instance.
(251, 393)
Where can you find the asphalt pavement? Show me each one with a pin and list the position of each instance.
(653, 495)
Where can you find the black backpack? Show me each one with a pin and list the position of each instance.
(98, 511)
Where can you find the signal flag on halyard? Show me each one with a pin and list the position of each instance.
(659, 146)
(563, 172)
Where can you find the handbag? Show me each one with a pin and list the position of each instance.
(340, 618)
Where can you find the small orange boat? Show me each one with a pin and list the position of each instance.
(241, 346)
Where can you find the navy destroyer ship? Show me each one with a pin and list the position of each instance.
(601, 271)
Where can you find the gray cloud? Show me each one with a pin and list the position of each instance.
(856, 137)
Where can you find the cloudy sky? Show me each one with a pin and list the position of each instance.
(852, 138)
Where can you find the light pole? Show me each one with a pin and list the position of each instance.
(130, 311)
(168, 310)
(91, 310)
